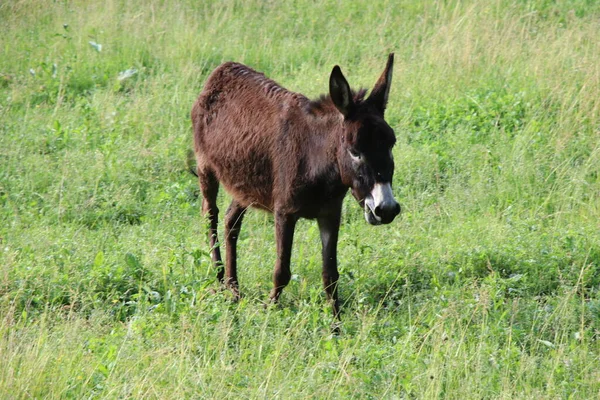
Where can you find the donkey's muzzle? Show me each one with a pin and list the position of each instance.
(380, 205)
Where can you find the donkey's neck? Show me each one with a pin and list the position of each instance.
(322, 153)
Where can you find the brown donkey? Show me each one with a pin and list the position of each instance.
(279, 151)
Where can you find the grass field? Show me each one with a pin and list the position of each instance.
(487, 286)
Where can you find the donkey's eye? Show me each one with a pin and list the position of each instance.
(355, 155)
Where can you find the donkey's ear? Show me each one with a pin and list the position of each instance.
(381, 91)
(340, 92)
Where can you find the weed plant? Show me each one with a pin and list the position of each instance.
(486, 287)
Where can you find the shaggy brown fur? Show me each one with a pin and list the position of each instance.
(276, 150)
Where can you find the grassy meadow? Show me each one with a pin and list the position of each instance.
(487, 286)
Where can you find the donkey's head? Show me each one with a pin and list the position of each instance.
(365, 152)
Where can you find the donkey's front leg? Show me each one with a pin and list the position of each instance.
(329, 227)
(284, 233)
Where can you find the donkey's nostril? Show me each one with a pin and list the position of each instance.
(397, 209)
(377, 211)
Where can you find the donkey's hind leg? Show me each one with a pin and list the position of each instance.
(209, 185)
(233, 223)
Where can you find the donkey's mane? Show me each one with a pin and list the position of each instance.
(325, 104)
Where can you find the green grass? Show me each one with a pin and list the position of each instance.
(488, 286)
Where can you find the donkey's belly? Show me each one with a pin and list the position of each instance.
(247, 178)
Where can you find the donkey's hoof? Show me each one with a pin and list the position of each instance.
(336, 328)
(270, 303)
(236, 296)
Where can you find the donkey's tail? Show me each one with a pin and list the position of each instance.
(190, 162)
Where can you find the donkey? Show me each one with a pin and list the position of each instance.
(278, 151)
